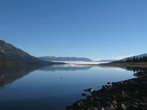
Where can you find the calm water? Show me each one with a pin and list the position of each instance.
(52, 87)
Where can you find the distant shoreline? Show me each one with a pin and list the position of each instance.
(126, 64)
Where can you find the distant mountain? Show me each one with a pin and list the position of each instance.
(10, 55)
(53, 58)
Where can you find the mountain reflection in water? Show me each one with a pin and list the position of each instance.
(10, 74)
(65, 67)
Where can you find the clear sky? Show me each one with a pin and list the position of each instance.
(88, 28)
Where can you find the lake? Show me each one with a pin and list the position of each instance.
(52, 87)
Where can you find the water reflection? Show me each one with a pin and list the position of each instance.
(10, 74)
(65, 67)
(138, 71)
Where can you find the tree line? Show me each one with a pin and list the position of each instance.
(137, 59)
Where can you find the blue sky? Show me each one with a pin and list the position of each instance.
(88, 28)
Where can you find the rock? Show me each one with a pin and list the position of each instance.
(79, 103)
(114, 102)
(103, 108)
(123, 106)
(107, 86)
(89, 90)
(69, 108)
(112, 107)
(83, 94)
(95, 108)
(124, 94)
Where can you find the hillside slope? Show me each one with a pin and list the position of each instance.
(10, 55)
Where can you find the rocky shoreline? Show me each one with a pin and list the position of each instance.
(125, 95)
